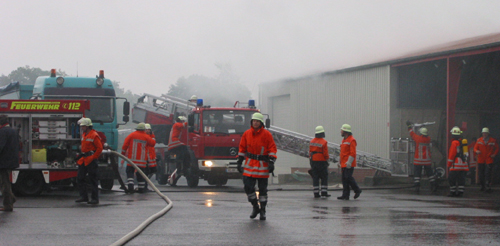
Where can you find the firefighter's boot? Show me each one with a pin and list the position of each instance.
(256, 209)
(263, 212)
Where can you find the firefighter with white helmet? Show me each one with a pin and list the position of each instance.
(347, 163)
(318, 159)
(87, 162)
(457, 163)
(422, 157)
(258, 150)
(175, 146)
(486, 149)
(135, 147)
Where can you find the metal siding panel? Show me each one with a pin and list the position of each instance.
(359, 98)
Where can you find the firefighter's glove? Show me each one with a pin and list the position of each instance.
(348, 164)
(271, 164)
(409, 124)
(240, 162)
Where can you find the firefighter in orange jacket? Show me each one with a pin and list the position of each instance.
(486, 149)
(258, 150)
(318, 156)
(87, 162)
(457, 163)
(151, 169)
(347, 163)
(422, 158)
(135, 148)
(175, 146)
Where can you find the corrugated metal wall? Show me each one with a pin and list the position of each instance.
(359, 98)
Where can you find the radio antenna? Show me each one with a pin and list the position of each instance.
(76, 69)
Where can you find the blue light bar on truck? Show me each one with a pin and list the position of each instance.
(251, 103)
(199, 102)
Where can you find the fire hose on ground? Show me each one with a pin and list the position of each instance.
(150, 220)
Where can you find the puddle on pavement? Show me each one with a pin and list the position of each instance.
(207, 203)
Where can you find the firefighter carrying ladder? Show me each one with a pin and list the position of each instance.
(298, 144)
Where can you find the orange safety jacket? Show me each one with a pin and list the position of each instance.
(472, 155)
(90, 142)
(151, 153)
(422, 149)
(348, 148)
(456, 163)
(318, 150)
(257, 146)
(135, 147)
(486, 150)
(175, 135)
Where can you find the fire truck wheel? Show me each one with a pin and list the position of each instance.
(107, 184)
(192, 174)
(29, 184)
(192, 180)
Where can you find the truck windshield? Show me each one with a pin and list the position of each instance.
(226, 121)
(101, 109)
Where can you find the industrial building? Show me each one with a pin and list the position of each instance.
(453, 84)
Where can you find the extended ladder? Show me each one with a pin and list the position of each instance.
(165, 105)
(298, 144)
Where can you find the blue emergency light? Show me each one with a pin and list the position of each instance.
(199, 102)
(251, 103)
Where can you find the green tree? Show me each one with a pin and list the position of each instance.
(26, 75)
(221, 91)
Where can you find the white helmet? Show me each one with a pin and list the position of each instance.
(147, 126)
(259, 117)
(423, 131)
(456, 131)
(346, 128)
(141, 126)
(485, 130)
(319, 129)
(85, 122)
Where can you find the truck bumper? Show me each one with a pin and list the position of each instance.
(219, 168)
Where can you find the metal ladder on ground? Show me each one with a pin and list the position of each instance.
(298, 144)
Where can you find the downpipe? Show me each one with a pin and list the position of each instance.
(148, 221)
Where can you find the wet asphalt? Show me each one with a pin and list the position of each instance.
(210, 215)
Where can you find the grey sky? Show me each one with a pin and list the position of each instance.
(147, 45)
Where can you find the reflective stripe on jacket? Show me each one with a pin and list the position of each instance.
(348, 148)
(151, 153)
(486, 150)
(422, 149)
(136, 145)
(318, 150)
(260, 143)
(456, 163)
(175, 135)
(90, 142)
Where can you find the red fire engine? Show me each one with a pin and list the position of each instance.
(213, 136)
